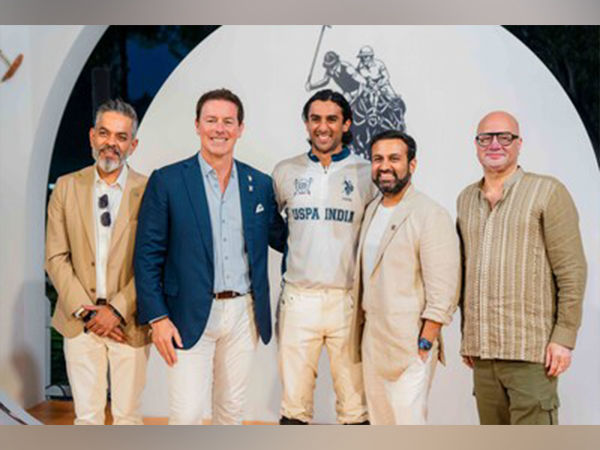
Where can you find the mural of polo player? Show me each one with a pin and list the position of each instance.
(378, 108)
(343, 74)
(375, 104)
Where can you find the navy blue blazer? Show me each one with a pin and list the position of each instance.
(174, 262)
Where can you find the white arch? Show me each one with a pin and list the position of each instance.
(33, 100)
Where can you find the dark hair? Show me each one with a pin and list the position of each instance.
(389, 135)
(221, 94)
(337, 98)
(119, 106)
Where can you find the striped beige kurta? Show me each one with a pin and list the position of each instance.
(524, 269)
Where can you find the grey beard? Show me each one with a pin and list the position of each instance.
(396, 187)
(108, 165)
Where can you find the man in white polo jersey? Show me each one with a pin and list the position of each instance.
(323, 194)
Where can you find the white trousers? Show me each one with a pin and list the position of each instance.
(90, 359)
(220, 362)
(307, 320)
(402, 401)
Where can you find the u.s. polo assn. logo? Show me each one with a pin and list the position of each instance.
(302, 186)
(367, 87)
(348, 187)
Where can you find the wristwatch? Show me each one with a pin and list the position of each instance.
(425, 344)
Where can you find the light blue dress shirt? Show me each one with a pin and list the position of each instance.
(232, 272)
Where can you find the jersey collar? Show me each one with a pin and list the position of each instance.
(334, 158)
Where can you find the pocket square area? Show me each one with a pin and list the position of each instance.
(259, 208)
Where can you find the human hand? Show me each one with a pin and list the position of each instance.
(558, 359)
(104, 320)
(163, 334)
(118, 335)
(423, 354)
(468, 360)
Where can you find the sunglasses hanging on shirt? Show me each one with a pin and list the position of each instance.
(105, 216)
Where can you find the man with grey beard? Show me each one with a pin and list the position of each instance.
(405, 286)
(92, 219)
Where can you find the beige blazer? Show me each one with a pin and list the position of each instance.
(416, 276)
(71, 252)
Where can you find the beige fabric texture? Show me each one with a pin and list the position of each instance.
(70, 252)
(416, 277)
(524, 269)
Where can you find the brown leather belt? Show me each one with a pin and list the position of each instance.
(226, 295)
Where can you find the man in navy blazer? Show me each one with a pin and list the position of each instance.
(204, 229)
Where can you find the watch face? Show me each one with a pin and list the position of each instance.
(424, 344)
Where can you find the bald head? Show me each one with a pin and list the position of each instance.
(497, 121)
(498, 143)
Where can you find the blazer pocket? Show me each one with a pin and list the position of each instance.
(171, 289)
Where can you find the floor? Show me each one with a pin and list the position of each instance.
(54, 412)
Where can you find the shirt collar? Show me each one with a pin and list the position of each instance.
(208, 170)
(510, 181)
(334, 158)
(514, 178)
(120, 183)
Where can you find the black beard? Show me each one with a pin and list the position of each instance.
(396, 187)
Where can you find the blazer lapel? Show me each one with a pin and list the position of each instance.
(246, 186)
(195, 187)
(402, 211)
(130, 202)
(85, 198)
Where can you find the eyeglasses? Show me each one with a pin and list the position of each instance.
(504, 138)
(105, 216)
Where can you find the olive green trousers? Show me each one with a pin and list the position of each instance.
(515, 393)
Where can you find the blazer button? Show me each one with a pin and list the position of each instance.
(92, 290)
(93, 263)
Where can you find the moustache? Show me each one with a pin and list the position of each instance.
(386, 171)
(111, 148)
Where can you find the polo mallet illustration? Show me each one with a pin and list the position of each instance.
(12, 66)
(314, 61)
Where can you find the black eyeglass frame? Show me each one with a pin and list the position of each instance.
(497, 134)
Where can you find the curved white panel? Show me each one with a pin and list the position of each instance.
(449, 78)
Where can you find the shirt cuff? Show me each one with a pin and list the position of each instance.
(156, 319)
(435, 315)
(564, 337)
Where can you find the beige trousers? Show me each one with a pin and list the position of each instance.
(402, 401)
(307, 321)
(90, 359)
(218, 364)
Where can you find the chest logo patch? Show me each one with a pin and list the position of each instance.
(302, 186)
(348, 187)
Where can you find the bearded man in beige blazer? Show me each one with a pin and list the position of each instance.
(92, 220)
(406, 286)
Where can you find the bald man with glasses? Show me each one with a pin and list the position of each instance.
(524, 280)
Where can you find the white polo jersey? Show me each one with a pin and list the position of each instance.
(324, 209)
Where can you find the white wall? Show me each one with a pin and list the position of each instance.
(31, 106)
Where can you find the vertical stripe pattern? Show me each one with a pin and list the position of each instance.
(510, 298)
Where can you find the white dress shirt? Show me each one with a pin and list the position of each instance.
(373, 239)
(103, 234)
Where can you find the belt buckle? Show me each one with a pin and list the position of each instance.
(226, 295)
